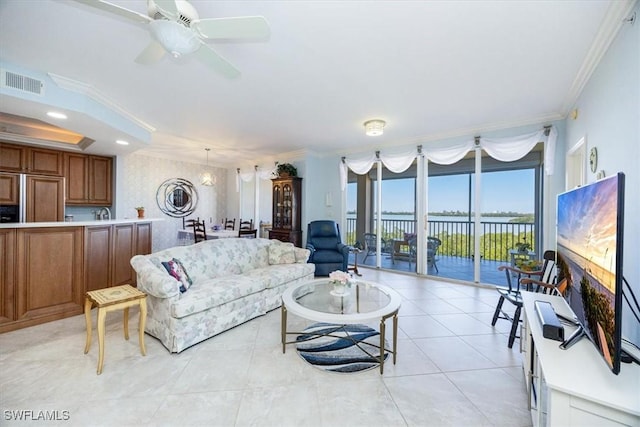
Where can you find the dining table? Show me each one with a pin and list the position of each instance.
(187, 235)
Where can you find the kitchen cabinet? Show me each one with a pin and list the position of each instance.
(9, 186)
(49, 271)
(286, 220)
(124, 245)
(89, 179)
(33, 160)
(45, 271)
(44, 198)
(100, 172)
(97, 257)
(108, 250)
(76, 170)
(143, 238)
(7, 274)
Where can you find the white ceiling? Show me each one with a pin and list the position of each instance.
(430, 69)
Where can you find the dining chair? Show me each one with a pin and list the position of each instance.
(199, 231)
(246, 225)
(229, 224)
(186, 223)
(248, 234)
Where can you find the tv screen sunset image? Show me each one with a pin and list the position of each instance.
(587, 250)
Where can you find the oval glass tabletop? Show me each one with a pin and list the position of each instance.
(319, 300)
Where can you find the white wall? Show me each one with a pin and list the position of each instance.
(139, 179)
(609, 118)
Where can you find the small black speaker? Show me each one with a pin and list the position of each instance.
(551, 327)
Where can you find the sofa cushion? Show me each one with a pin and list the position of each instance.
(176, 270)
(281, 253)
(211, 293)
(278, 275)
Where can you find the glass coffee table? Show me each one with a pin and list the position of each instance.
(364, 301)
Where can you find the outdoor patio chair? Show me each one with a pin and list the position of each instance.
(541, 280)
(370, 245)
(433, 243)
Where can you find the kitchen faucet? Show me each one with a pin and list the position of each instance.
(104, 212)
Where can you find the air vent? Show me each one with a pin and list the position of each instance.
(22, 83)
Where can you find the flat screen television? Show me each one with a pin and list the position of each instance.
(589, 255)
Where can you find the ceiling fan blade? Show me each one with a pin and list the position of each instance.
(169, 8)
(151, 54)
(242, 27)
(210, 58)
(118, 10)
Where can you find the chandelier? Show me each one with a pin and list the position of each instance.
(206, 178)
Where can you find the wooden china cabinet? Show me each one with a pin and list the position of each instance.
(286, 223)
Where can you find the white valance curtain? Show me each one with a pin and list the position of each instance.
(258, 173)
(506, 149)
(395, 162)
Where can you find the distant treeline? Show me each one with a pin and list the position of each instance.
(459, 213)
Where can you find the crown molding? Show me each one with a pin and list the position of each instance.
(469, 132)
(613, 21)
(96, 95)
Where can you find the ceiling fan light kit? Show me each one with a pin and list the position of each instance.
(178, 29)
(174, 37)
(374, 127)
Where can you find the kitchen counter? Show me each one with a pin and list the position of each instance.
(47, 267)
(77, 223)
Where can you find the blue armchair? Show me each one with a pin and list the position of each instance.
(328, 252)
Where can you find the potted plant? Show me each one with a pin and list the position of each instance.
(286, 170)
(140, 210)
(523, 246)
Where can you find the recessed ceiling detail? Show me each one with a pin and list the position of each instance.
(36, 129)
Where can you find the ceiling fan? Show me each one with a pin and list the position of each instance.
(177, 29)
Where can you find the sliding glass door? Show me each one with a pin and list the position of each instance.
(509, 214)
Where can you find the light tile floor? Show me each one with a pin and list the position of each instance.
(453, 369)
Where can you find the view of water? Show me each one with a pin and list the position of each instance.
(441, 218)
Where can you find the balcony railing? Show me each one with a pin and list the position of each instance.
(496, 238)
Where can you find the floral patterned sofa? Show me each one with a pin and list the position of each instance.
(228, 282)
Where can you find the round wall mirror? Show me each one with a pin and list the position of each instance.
(177, 197)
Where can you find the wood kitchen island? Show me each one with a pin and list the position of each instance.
(46, 267)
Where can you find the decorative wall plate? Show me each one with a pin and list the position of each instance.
(177, 197)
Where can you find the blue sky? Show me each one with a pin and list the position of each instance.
(501, 192)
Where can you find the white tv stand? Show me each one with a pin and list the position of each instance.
(573, 387)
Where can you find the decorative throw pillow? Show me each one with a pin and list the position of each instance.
(177, 271)
(281, 253)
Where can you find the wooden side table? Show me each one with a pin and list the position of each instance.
(355, 251)
(110, 299)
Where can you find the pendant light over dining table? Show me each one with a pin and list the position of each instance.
(206, 177)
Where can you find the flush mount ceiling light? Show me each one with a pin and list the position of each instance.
(374, 127)
(122, 142)
(206, 178)
(57, 115)
(176, 38)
